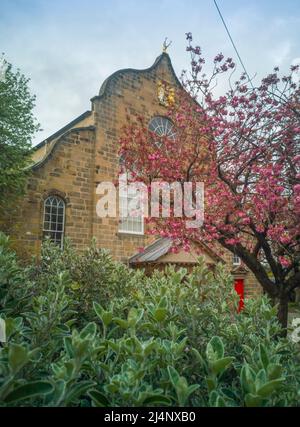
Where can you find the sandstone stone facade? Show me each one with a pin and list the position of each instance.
(73, 161)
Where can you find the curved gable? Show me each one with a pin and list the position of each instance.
(162, 65)
(162, 61)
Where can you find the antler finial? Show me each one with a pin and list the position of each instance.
(166, 44)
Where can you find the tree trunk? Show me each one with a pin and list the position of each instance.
(283, 313)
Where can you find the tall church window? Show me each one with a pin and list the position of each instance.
(131, 224)
(54, 219)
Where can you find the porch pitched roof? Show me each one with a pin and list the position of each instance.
(160, 247)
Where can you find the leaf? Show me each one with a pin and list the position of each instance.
(149, 347)
(99, 399)
(98, 309)
(70, 368)
(247, 379)
(106, 317)
(12, 325)
(211, 383)
(57, 394)
(81, 349)
(221, 365)
(220, 403)
(75, 286)
(261, 379)
(213, 396)
(193, 388)
(270, 386)
(163, 303)
(61, 331)
(122, 323)
(113, 387)
(198, 357)
(78, 390)
(105, 367)
(68, 346)
(274, 371)
(113, 345)
(134, 316)
(157, 400)
(89, 331)
(215, 349)
(17, 357)
(182, 391)
(263, 356)
(232, 395)
(160, 314)
(35, 388)
(174, 376)
(253, 400)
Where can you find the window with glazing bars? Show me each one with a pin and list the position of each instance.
(236, 260)
(54, 219)
(162, 126)
(132, 224)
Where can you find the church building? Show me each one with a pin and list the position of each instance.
(61, 197)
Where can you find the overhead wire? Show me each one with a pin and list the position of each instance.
(232, 42)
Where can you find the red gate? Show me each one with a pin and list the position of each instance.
(239, 288)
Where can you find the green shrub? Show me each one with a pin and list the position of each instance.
(15, 287)
(93, 275)
(83, 330)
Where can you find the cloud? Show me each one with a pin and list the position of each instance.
(69, 48)
(281, 53)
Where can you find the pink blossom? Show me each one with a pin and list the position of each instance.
(285, 262)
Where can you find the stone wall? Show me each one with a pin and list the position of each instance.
(68, 173)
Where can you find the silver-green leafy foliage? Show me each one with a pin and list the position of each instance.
(173, 339)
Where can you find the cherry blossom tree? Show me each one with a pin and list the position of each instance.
(245, 146)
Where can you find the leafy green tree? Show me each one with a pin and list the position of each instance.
(17, 127)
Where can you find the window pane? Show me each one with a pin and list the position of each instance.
(236, 260)
(162, 126)
(128, 223)
(53, 222)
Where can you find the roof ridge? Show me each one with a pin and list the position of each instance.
(45, 158)
(63, 129)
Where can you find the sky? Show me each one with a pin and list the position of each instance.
(69, 47)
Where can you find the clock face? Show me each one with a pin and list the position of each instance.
(162, 126)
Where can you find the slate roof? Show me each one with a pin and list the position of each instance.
(153, 252)
(63, 130)
(161, 247)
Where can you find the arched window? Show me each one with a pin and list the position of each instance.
(162, 127)
(54, 219)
